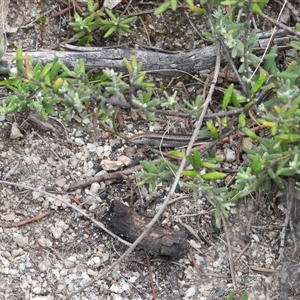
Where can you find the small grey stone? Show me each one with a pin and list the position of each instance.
(16, 252)
(22, 241)
(94, 262)
(9, 217)
(5, 254)
(230, 155)
(115, 275)
(95, 188)
(62, 224)
(44, 242)
(79, 141)
(78, 134)
(69, 264)
(60, 181)
(13, 272)
(56, 231)
(91, 147)
(190, 292)
(72, 258)
(43, 266)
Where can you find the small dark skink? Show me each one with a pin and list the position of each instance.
(165, 140)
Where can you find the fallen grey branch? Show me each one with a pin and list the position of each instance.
(192, 61)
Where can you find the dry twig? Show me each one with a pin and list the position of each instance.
(24, 222)
(151, 278)
(289, 201)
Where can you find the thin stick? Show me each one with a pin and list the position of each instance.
(260, 269)
(198, 269)
(271, 38)
(289, 199)
(24, 222)
(231, 265)
(241, 253)
(248, 245)
(151, 278)
(281, 25)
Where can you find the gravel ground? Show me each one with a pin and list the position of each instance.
(53, 256)
(57, 254)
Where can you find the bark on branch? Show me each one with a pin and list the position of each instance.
(188, 61)
(192, 61)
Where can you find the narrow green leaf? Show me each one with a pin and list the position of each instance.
(189, 173)
(57, 84)
(271, 173)
(230, 295)
(213, 176)
(286, 75)
(49, 108)
(110, 31)
(255, 8)
(213, 130)
(274, 156)
(140, 183)
(123, 28)
(173, 4)
(242, 119)
(146, 84)
(10, 81)
(150, 167)
(176, 153)
(46, 69)
(198, 10)
(227, 96)
(127, 65)
(279, 182)
(196, 158)
(189, 2)
(291, 137)
(43, 114)
(285, 172)
(256, 166)
(153, 103)
(245, 296)
(162, 8)
(19, 60)
(105, 22)
(110, 14)
(250, 133)
(55, 69)
(259, 82)
(67, 71)
(290, 112)
(150, 115)
(208, 165)
(128, 20)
